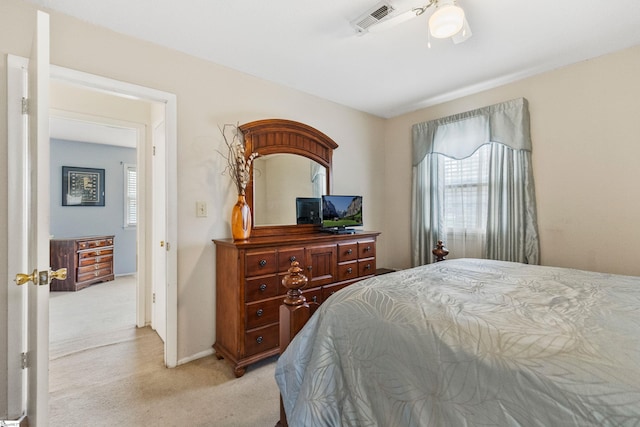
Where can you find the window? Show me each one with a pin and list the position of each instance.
(466, 192)
(130, 196)
(484, 204)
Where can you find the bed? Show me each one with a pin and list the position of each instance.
(469, 343)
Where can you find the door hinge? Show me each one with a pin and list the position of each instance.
(154, 297)
(25, 105)
(168, 247)
(154, 150)
(24, 360)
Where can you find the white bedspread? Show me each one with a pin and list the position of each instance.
(470, 343)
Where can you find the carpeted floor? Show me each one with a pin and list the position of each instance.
(106, 372)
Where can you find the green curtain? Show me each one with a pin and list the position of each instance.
(511, 229)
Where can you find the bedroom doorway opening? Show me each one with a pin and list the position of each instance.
(155, 270)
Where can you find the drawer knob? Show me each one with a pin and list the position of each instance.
(349, 251)
(263, 287)
(96, 266)
(315, 298)
(367, 249)
(367, 267)
(292, 258)
(95, 274)
(263, 262)
(260, 312)
(349, 270)
(259, 340)
(97, 252)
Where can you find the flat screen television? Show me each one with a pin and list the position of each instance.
(341, 212)
(308, 210)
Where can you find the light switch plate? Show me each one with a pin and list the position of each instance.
(201, 209)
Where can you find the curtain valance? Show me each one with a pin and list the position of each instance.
(506, 123)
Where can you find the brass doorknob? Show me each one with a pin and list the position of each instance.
(21, 278)
(59, 274)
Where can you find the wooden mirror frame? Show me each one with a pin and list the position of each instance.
(273, 136)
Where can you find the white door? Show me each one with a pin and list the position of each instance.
(28, 166)
(159, 226)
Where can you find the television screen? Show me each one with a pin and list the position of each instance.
(341, 211)
(308, 210)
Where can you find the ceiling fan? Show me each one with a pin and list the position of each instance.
(447, 20)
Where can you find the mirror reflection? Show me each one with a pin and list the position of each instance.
(278, 179)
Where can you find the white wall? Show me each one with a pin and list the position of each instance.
(208, 95)
(585, 126)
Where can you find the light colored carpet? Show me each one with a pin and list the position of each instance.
(106, 372)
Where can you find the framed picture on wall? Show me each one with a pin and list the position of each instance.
(82, 186)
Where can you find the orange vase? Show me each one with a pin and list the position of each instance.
(241, 219)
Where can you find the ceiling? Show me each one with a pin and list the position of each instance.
(311, 45)
(95, 131)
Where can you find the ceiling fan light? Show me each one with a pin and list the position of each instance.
(446, 21)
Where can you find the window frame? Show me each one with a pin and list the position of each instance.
(128, 199)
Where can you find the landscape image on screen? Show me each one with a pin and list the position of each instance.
(341, 211)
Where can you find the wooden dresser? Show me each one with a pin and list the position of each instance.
(88, 260)
(249, 288)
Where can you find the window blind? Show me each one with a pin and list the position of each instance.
(130, 196)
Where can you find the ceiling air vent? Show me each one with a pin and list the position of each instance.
(373, 16)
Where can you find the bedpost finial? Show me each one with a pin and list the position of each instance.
(294, 281)
(440, 252)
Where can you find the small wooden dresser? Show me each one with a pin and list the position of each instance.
(88, 260)
(249, 288)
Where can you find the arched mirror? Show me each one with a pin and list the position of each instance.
(294, 162)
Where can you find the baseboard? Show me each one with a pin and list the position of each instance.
(195, 356)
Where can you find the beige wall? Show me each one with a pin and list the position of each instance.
(208, 95)
(585, 126)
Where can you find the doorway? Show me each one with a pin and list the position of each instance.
(156, 183)
(155, 231)
(87, 131)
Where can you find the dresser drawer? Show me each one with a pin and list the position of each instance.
(94, 253)
(347, 252)
(259, 263)
(262, 313)
(313, 295)
(259, 288)
(261, 339)
(87, 244)
(94, 274)
(95, 260)
(287, 256)
(327, 291)
(94, 267)
(367, 267)
(348, 271)
(367, 249)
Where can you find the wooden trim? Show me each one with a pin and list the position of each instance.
(272, 136)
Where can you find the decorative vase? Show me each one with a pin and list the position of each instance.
(241, 219)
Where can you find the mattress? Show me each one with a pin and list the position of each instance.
(469, 343)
